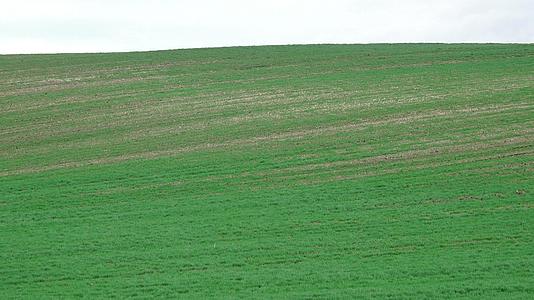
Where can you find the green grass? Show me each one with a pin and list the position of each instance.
(324, 171)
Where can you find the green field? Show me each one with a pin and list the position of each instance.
(321, 171)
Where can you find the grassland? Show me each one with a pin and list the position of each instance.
(385, 171)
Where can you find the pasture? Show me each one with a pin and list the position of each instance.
(320, 171)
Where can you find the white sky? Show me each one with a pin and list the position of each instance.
(45, 26)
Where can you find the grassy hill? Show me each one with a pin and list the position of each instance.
(388, 171)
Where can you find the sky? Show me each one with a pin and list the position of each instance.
(60, 26)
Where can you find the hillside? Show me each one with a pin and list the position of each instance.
(399, 171)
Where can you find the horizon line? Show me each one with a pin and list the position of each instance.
(267, 45)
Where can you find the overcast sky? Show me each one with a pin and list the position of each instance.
(39, 26)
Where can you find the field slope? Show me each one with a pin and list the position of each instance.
(387, 171)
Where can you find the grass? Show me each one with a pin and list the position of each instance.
(321, 171)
